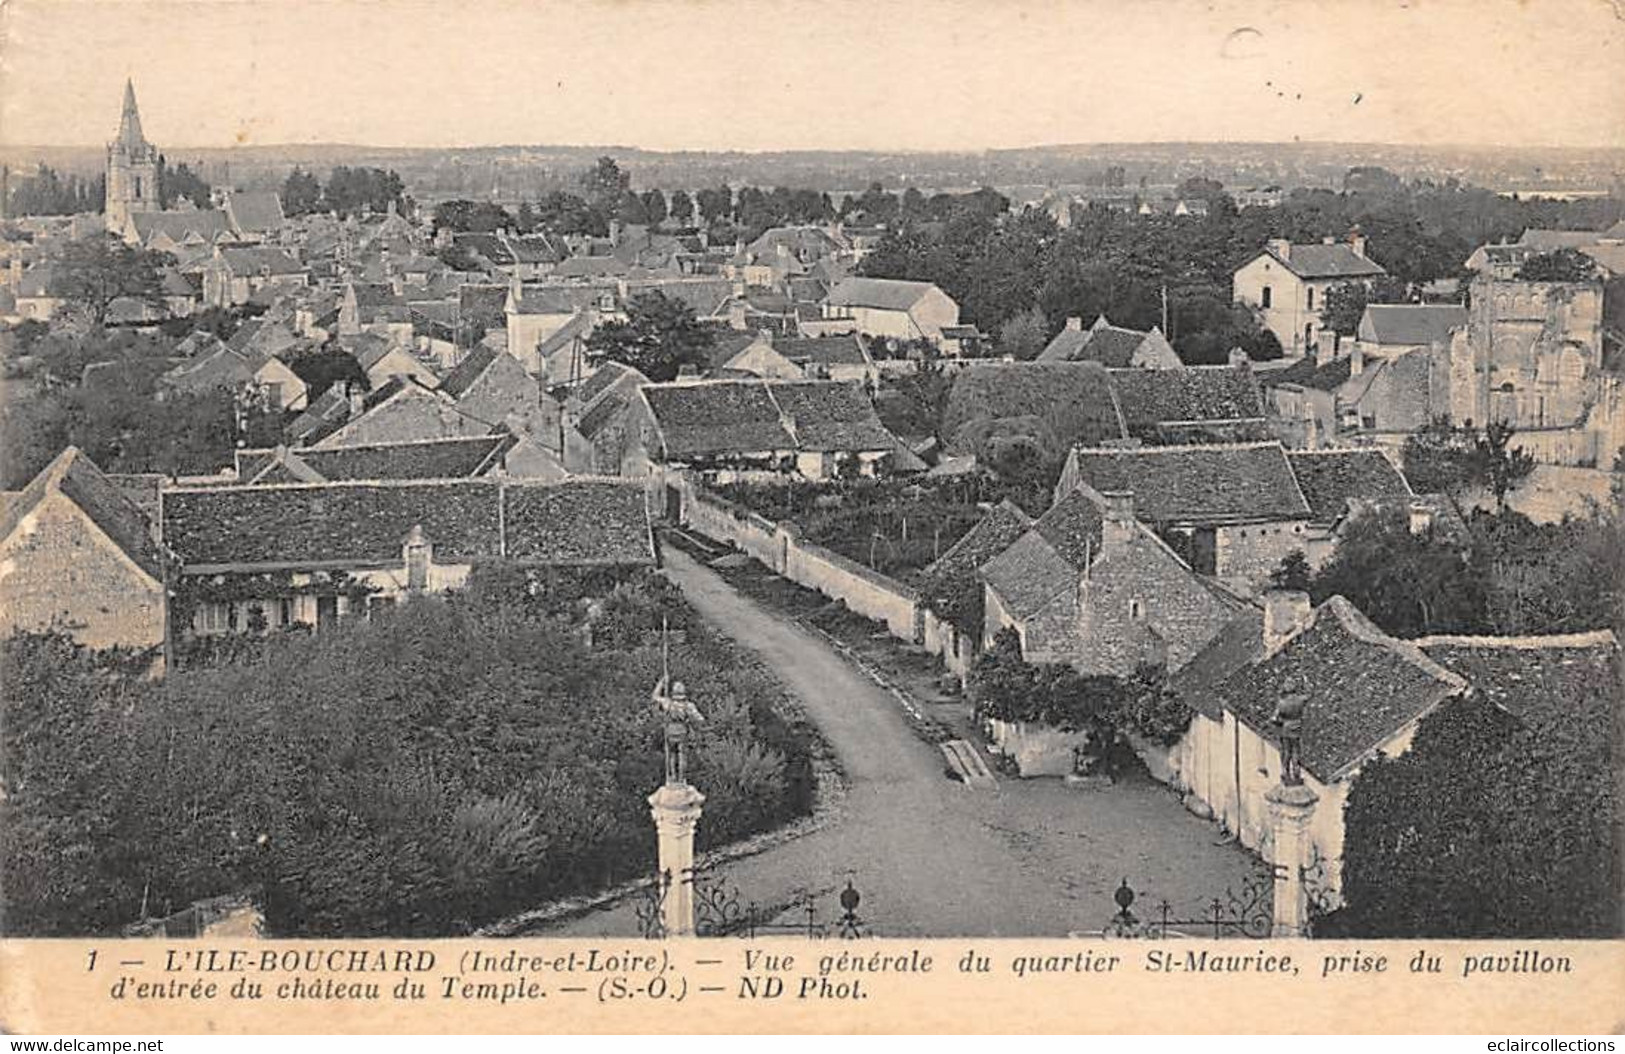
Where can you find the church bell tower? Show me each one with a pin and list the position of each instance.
(132, 169)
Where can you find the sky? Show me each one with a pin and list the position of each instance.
(815, 74)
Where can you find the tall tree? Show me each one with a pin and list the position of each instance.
(93, 272)
(659, 337)
(301, 193)
(682, 207)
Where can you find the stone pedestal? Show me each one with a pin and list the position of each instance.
(1292, 806)
(676, 811)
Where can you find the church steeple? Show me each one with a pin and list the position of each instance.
(129, 125)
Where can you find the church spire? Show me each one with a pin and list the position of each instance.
(129, 125)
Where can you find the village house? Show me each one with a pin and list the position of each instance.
(1388, 331)
(545, 322)
(1091, 586)
(887, 308)
(1287, 284)
(77, 555)
(781, 253)
(254, 215)
(251, 372)
(457, 458)
(382, 360)
(311, 553)
(596, 415)
(1363, 693)
(1336, 483)
(1233, 511)
(375, 307)
(251, 273)
(740, 428)
(1112, 346)
(1195, 404)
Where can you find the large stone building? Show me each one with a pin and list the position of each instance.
(1288, 283)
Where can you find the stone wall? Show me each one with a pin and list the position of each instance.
(865, 591)
(58, 569)
(1249, 554)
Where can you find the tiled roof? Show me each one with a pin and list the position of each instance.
(750, 416)
(1327, 261)
(1363, 686)
(1410, 323)
(603, 410)
(220, 368)
(1538, 680)
(1073, 398)
(1550, 240)
(578, 522)
(464, 375)
(992, 535)
(831, 351)
(76, 477)
(831, 416)
(457, 458)
(1240, 642)
(608, 375)
(890, 294)
(490, 246)
(259, 260)
(360, 525)
(1307, 373)
(704, 295)
(255, 211)
(1229, 483)
(1072, 526)
(559, 299)
(592, 267)
(723, 417)
(324, 416)
(1196, 393)
(1329, 479)
(208, 224)
(1029, 575)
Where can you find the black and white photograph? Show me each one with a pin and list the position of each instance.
(1118, 472)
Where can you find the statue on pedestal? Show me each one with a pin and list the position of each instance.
(679, 714)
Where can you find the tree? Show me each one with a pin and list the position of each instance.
(322, 368)
(1409, 583)
(715, 203)
(1440, 458)
(1024, 334)
(181, 182)
(604, 185)
(681, 209)
(654, 206)
(1563, 265)
(660, 336)
(1497, 465)
(463, 216)
(93, 272)
(1294, 572)
(354, 190)
(301, 193)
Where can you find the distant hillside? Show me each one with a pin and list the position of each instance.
(516, 172)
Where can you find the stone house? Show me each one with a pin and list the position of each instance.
(311, 553)
(240, 274)
(1303, 397)
(596, 414)
(251, 372)
(1233, 511)
(1388, 331)
(1091, 586)
(1336, 482)
(535, 314)
(493, 386)
(77, 554)
(456, 458)
(382, 360)
(1111, 346)
(889, 308)
(1364, 693)
(1287, 284)
(1196, 404)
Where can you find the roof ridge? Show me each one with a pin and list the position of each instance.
(1246, 445)
(1587, 639)
(1359, 625)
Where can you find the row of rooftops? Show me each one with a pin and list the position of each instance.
(346, 524)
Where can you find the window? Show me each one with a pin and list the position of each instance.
(1308, 336)
(417, 566)
(1268, 293)
(1311, 302)
(212, 618)
(1136, 610)
(138, 186)
(284, 611)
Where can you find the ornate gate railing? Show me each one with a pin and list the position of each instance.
(1244, 911)
(720, 910)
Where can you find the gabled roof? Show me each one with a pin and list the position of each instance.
(1327, 261)
(1410, 323)
(704, 295)
(456, 458)
(207, 224)
(1211, 485)
(468, 372)
(1028, 575)
(753, 416)
(76, 477)
(560, 299)
(1239, 643)
(890, 294)
(845, 350)
(1307, 372)
(992, 535)
(1550, 240)
(360, 525)
(1330, 479)
(1072, 526)
(255, 211)
(491, 246)
(325, 415)
(1074, 398)
(245, 260)
(222, 367)
(1149, 398)
(1363, 687)
(610, 373)
(592, 267)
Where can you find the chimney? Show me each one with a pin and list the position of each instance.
(736, 314)
(1117, 526)
(1357, 243)
(1074, 324)
(1281, 247)
(1325, 347)
(1356, 360)
(1421, 518)
(614, 233)
(1328, 240)
(356, 399)
(1286, 611)
(1239, 358)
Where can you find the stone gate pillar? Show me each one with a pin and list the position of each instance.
(676, 811)
(1292, 806)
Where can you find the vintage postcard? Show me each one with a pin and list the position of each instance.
(1048, 515)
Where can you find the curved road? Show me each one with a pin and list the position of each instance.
(931, 856)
